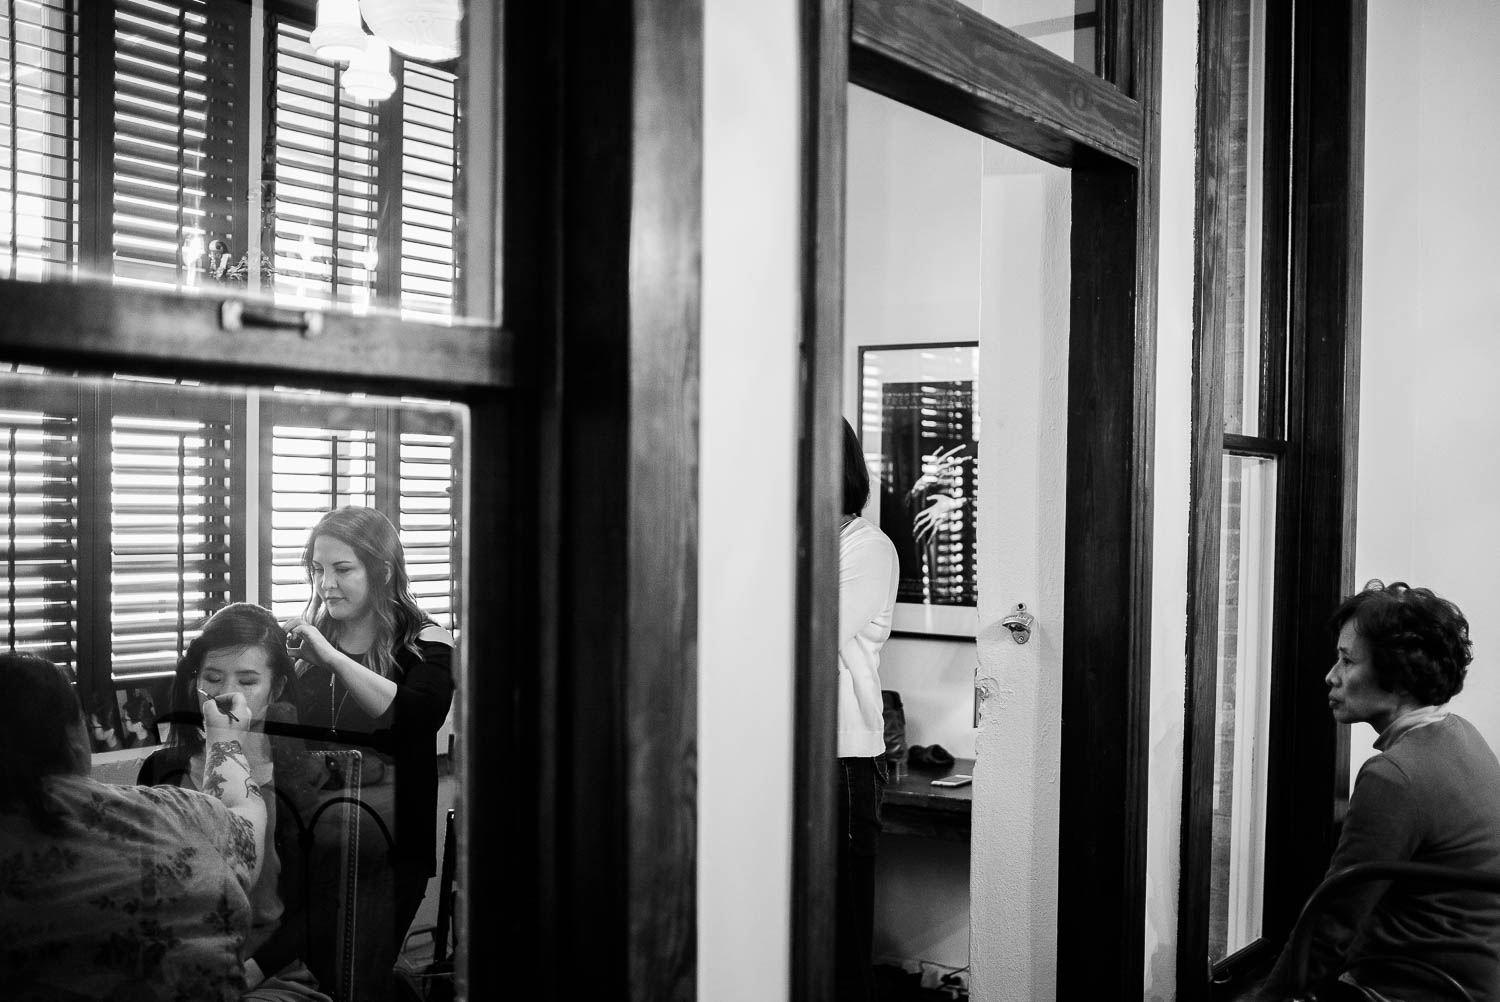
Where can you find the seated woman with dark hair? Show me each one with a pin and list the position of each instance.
(242, 650)
(118, 892)
(1431, 795)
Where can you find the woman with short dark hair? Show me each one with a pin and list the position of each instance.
(1430, 795)
(868, 574)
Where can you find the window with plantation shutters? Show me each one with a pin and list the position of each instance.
(38, 139)
(428, 524)
(429, 121)
(313, 470)
(326, 181)
(401, 461)
(170, 545)
(180, 150)
(41, 533)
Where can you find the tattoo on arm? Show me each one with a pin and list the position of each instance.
(251, 790)
(220, 753)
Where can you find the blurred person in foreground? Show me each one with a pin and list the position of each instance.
(119, 892)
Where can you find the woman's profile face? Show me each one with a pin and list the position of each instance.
(1354, 692)
(244, 670)
(340, 579)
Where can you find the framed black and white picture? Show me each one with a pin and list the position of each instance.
(919, 428)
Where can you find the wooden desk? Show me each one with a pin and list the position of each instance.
(914, 806)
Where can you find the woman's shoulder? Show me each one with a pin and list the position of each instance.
(864, 538)
(432, 633)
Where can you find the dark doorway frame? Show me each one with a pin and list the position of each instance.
(945, 59)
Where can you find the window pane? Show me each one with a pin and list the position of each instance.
(235, 168)
(1243, 190)
(1246, 558)
(38, 141)
(1068, 28)
(133, 511)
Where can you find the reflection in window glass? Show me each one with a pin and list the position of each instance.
(135, 521)
(223, 164)
(1247, 539)
(1067, 28)
(1242, 192)
(38, 141)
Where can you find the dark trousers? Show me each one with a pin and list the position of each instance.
(861, 784)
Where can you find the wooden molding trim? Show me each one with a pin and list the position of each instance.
(98, 324)
(825, 55)
(957, 64)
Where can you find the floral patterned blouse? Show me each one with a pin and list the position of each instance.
(142, 896)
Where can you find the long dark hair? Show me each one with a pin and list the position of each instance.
(39, 710)
(241, 624)
(398, 618)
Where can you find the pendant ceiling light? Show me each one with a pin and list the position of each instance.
(368, 77)
(339, 36)
(422, 29)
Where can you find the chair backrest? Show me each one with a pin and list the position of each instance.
(1340, 881)
(328, 823)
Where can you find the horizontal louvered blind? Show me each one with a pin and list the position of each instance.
(428, 525)
(38, 139)
(429, 121)
(170, 546)
(175, 153)
(326, 173)
(313, 470)
(41, 534)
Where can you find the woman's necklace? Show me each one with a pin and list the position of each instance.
(333, 686)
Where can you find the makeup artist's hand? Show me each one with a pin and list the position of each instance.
(228, 716)
(316, 649)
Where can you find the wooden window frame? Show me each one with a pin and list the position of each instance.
(943, 58)
(578, 811)
(1312, 226)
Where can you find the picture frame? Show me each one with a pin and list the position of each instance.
(919, 429)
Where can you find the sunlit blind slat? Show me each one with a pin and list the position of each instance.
(40, 561)
(327, 181)
(429, 164)
(175, 152)
(38, 139)
(170, 544)
(427, 523)
(313, 470)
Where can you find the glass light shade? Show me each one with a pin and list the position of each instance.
(368, 77)
(339, 36)
(422, 29)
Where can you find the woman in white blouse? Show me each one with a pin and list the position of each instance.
(868, 573)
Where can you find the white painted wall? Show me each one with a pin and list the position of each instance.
(747, 543)
(1174, 356)
(1429, 449)
(1022, 480)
